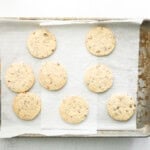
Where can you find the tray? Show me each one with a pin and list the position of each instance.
(143, 106)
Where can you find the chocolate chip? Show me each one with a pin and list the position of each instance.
(45, 34)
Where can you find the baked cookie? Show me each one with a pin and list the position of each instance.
(73, 109)
(100, 41)
(19, 77)
(98, 78)
(52, 76)
(41, 43)
(121, 107)
(27, 105)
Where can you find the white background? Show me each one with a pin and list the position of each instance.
(75, 8)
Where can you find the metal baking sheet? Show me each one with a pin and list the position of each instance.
(143, 114)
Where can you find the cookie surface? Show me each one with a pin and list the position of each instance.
(121, 107)
(52, 76)
(27, 105)
(41, 43)
(100, 41)
(98, 78)
(73, 109)
(19, 77)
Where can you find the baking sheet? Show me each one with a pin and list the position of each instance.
(123, 62)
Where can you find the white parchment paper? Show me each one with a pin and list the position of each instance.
(72, 53)
(124, 64)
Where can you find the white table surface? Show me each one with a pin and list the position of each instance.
(75, 144)
(74, 8)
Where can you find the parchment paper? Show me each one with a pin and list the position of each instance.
(72, 53)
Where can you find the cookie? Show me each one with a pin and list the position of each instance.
(41, 43)
(74, 109)
(98, 78)
(100, 41)
(52, 76)
(121, 107)
(19, 77)
(27, 105)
